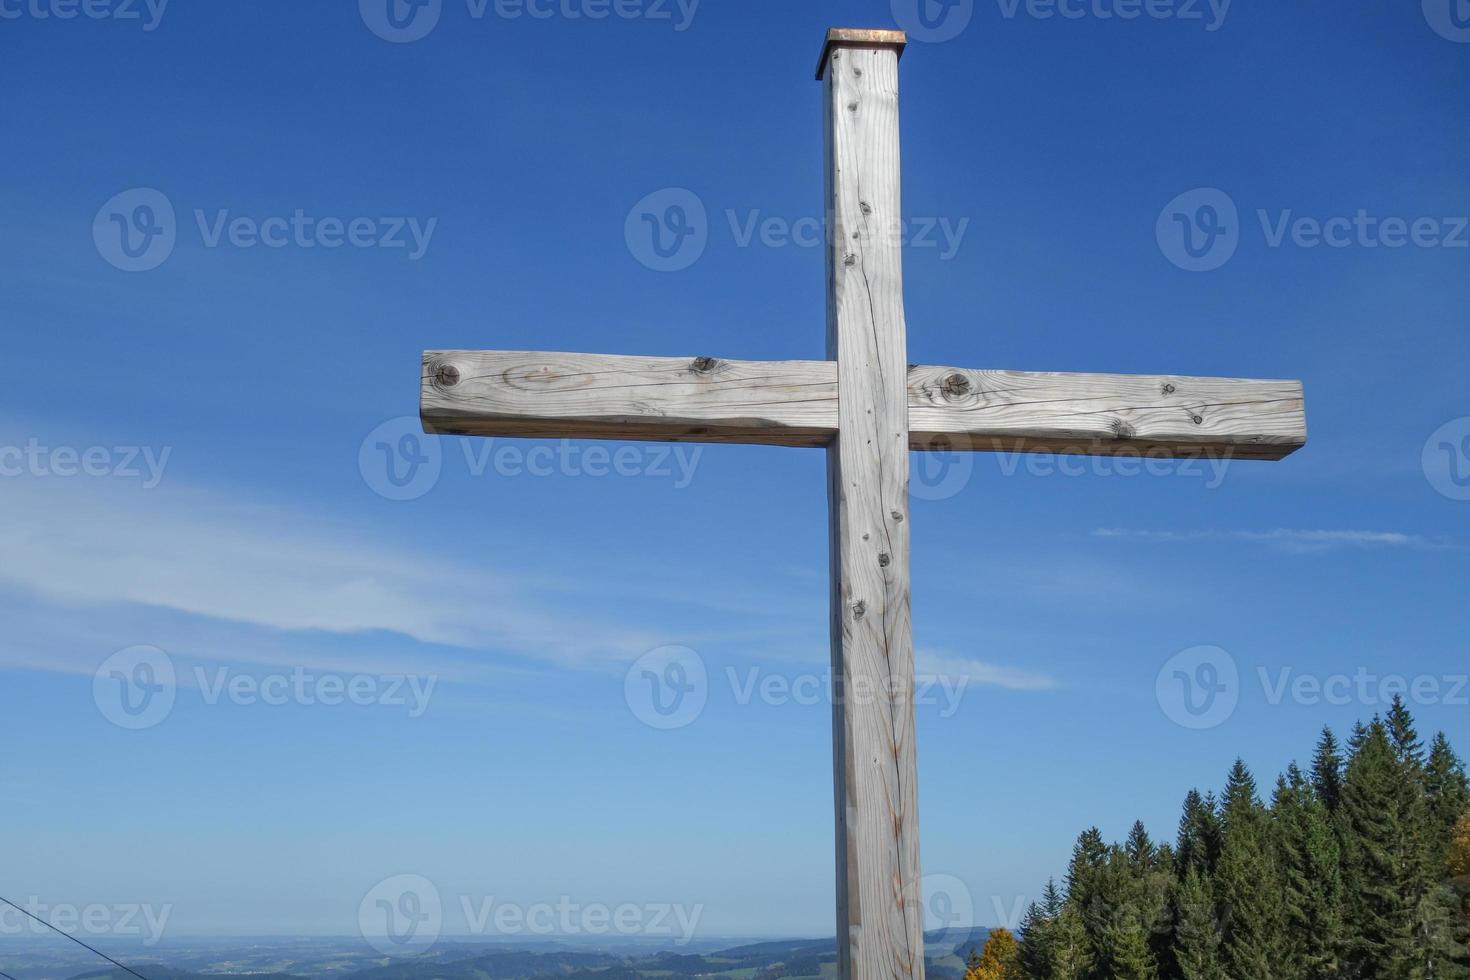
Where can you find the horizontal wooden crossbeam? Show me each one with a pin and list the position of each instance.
(794, 403)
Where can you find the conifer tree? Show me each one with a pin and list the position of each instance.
(1327, 768)
(1407, 748)
(1247, 884)
(1447, 796)
(1376, 838)
(1035, 953)
(1071, 957)
(1311, 879)
(1196, 930)
(1199, 836)
(1141, 852)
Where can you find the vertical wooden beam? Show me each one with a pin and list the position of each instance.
(879, 907)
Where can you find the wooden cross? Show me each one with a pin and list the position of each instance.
(867, 406)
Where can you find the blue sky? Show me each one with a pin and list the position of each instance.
(234, 512)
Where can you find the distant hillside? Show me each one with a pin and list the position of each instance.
(786, 959)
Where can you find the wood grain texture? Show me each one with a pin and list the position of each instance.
(1105, 414)
(880, 913)
(794, 403)
(598, 396)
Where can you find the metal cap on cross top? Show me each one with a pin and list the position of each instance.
(855, 37)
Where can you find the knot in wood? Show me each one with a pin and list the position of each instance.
(1122, 429)
(1198, 419)
(704, 365)
(1169, 389)
(859, 609)
(956, 386)
(447, 375)
(849, 259)
(884, 560)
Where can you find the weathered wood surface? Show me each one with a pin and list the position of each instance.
(794, 403)
(861, 36)
(597, 396)
(1105, 414)
(880, 908)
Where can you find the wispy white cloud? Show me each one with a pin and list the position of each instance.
(87, 546)
(1285, 539)
(981, 672)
